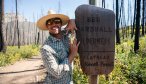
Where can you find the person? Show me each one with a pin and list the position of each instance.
(58, 51)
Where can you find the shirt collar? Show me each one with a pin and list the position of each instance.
(54, 39)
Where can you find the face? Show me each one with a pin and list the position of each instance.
(54, 25)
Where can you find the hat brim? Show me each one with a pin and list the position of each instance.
(41, 23)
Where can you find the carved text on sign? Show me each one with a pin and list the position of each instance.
(95, 29)
(99, 41)
(93, 19)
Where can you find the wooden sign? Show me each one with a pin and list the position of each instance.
(96, 33)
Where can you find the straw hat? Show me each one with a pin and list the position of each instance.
(41, 23)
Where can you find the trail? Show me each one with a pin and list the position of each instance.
(29, 71)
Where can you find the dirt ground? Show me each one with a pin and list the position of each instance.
(29, 71)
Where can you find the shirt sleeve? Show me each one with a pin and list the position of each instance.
(51, 63)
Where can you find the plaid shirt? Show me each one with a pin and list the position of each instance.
(55, 57)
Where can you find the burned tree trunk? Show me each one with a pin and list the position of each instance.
(143, 8)
(132, 30)
(137, 31)
(117, 23)
(103, 3)
(1, 23)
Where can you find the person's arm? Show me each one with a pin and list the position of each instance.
(53, 67)
(71, 26)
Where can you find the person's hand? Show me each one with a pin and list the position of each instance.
(73, 49)
(71, 26)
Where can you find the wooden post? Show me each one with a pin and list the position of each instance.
(93, 79)
(92, 2)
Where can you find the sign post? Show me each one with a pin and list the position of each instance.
(93, 79)
(96, 33)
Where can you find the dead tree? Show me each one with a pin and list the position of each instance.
(117, 23)
(17, 25)
(137, 31)
(143, 8)
(103, 3)
(132, 30)
(1, 25)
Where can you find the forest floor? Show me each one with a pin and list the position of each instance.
(29, 71)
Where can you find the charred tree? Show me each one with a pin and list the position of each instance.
(103, 3)
(137, 31)
(17, 26)
(143, 23)
(117, 23)
(135, 12)
(1, 25)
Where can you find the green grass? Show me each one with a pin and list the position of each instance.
(14, 54)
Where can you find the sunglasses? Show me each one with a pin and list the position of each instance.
(54, 20)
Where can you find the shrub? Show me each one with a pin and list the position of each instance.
(14, 54)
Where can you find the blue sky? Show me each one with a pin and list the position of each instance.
(28, 8)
